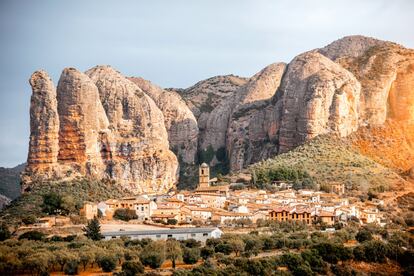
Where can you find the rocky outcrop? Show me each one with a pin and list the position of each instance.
(82, 122)
(179, 121)
(99, 125)
(250, 135)
(379, 66)
(44, 125)
(319, 96)
(137, 150)
(104, 125)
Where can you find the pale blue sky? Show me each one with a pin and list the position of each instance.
(172, 43)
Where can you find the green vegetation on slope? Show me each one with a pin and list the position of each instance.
(10, 181)
(329, 159)
(80, 189)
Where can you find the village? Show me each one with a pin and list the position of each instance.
(211, 206)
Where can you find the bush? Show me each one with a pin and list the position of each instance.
(223, 248)
(132, 268)
(125, 214)
(30, 219)
(332, 253)
(172, 221)
(32, 235)
(71, 267)
(363, 235)
(4, 232)
(191, 255)
(107, 263)
(153, 254)
(206, 252)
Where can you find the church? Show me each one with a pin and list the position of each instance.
(204, 182)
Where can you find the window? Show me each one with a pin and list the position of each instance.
(193, 235)
(158, 236)
(142, 208)
(169, 236)
(205, 234)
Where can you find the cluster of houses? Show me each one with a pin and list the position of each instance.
(220, 204)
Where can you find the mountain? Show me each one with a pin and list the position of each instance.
(10, 181)
(100, 124)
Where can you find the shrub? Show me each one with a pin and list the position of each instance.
(52, 203)
(206, 252)
(172, 221)
(132, 268)
(4, 232)
(363, 235)
(30, 219)
(191, 255)
(332, 253)
(125, 214)
(107, 263)
(223, 248)
(71, 267)
(32, 235)
(153, 254)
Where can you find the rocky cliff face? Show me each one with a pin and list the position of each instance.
(318, 96)
(180, 122)
(44, 125)
(108, 128)
(253, 119)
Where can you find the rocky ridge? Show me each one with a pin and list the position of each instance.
(352, 84)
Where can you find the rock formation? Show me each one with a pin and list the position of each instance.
(319, 96)
(179, 120)
(98, 125)
(44, 125)
(103, 125)
(82, 121)
(253, 121)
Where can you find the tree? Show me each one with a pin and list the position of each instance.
(93, 229)
(63, 257)
(237, 245)
(52, 203)
(191, 255)
(4, 232)
(206, 252)
(86, 256)
(125, 214)
(173, 251)
(224, 248)
(132, 268)
(363, 235)
(68, 204)
(71, 267)
(107, 263)
(38, 262)
(153, 254)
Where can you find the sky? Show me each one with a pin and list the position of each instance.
(172, 43)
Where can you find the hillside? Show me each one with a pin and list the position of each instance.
(391, 144)
(10, 181)
(330, 159)
(80, 190)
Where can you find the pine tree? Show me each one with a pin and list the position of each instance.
(93, 229)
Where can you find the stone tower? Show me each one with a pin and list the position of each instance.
(203, 175)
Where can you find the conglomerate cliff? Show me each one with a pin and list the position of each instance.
(101, 124)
